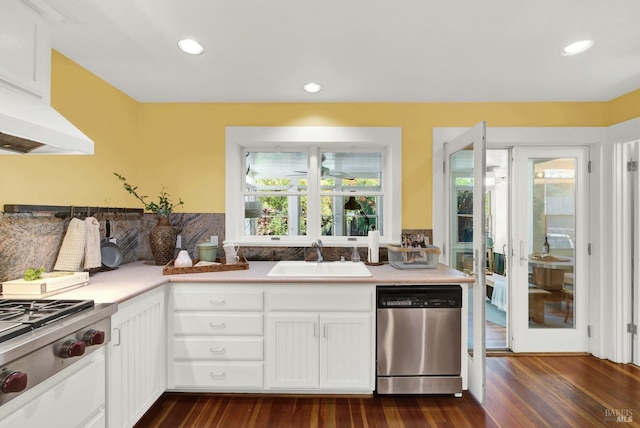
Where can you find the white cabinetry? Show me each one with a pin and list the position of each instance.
(25, 50)
(320, 338)
(216, 337)
(137, 357)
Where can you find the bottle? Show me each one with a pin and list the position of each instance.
(545, 246)
(355, 256)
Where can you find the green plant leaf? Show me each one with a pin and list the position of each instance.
(32, 274)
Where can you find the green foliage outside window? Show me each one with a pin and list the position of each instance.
(276, 210)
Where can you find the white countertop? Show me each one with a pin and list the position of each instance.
(134, 279)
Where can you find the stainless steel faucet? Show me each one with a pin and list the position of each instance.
(318, 246)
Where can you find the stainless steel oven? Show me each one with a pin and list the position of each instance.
(39, 338)
(418, 349)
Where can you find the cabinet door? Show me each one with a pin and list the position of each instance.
(25, 50)
(137, 358)
(293, 351)
(345, 351)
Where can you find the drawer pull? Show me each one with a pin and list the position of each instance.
(218, 302)
(217, 351)
(220, 376)
(221, 325)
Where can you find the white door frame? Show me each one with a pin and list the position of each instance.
(499, 137)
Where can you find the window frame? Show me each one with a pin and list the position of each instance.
(314, 140)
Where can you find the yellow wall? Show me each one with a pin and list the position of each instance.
(194, 135)
(102, 112)
(624, 108)
(181, 146)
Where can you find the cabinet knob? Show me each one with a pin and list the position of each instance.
(221, 325)
(217, 351)
(13, 381)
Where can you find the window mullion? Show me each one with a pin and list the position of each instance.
(313, 198)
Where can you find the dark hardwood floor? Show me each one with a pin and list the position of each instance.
(522, 391)
(496, 336)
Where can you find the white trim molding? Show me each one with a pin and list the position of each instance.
(239, 137)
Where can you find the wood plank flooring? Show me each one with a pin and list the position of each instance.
(522, 391)
(496, 336)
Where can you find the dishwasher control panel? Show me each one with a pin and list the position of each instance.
(441, 296)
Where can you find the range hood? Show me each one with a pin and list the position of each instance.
(29, 126)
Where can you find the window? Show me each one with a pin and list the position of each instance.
(299, 184)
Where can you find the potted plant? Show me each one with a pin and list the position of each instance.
(163, 236)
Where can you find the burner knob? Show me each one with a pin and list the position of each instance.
(72, 348)
(93, 337)
(13, 381)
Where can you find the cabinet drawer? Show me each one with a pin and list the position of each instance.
(220, 300)
(217, 324)
(320, 301)
(218, 375)
(218, 348)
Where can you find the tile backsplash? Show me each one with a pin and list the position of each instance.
(34, 239)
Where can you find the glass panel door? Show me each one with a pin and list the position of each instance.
(465, 164)
(635, 290)
(552, 236)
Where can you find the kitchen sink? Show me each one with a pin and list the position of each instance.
(298, 268)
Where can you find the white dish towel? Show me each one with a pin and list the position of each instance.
(92, 255)
(71, 252)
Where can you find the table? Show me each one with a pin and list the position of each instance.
(537, 297)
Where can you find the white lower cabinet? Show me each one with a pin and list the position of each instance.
(294, 351)
(216, 337)
(345, 351)
(319, 349)
(326, 351)
(270, 337)
(137, 358)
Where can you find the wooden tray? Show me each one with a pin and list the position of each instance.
(170, 269)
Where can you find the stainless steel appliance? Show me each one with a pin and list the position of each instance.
(39, 338)
(419, 339)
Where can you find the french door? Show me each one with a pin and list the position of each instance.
(627, 244)
(465, 163)
(635, 285)
(550, 283)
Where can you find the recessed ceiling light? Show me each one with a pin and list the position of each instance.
(577, 47)
(312, 87)
(190, 46)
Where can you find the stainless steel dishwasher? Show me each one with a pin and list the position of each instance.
(419, 339)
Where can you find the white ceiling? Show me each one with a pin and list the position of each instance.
(359, 50)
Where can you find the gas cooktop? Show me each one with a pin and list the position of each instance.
(19, 316)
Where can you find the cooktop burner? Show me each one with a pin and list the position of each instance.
(19, 316)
